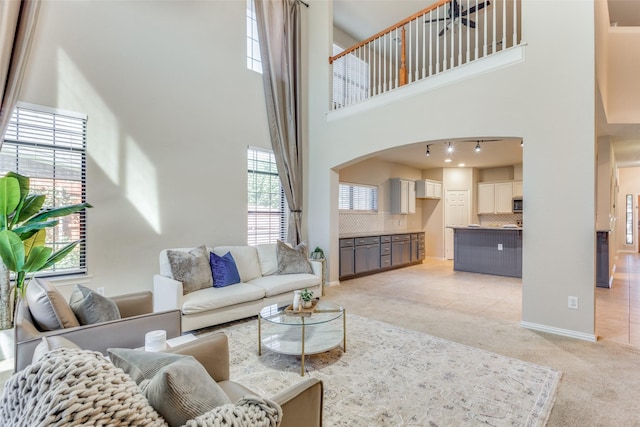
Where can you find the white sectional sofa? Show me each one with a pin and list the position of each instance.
(260, 286)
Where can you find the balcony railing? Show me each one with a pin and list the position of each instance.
(441, 37)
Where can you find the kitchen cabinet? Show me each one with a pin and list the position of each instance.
(347, 257)
(400, 249)
(371, 254)
(403, 196)
(517, 188)
(428, 189)
(495, 198)
(367, 254)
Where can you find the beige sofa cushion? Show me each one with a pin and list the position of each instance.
(48, 307)
(246, 258)
(214, 298)
(279, 284)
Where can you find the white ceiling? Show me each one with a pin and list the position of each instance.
(363, 18)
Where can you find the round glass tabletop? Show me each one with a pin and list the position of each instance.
(325, 312)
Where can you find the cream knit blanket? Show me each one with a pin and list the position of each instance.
(72, 387)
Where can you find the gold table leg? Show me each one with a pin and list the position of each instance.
(302, 356)
(344, 331)
(259, 336)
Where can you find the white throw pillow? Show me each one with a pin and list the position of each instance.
(246, 258)
(268, 258)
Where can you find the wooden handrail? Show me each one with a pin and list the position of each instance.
(388, 30)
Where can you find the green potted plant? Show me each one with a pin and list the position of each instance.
(317, 253)
(23, 224)
(306, 296)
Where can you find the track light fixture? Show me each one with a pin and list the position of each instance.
(450, 148)
(478, 146)
(427, 153)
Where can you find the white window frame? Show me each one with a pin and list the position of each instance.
(47, 144)
(254, 60)
(265, 224)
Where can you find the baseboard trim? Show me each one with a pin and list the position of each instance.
(559, 331)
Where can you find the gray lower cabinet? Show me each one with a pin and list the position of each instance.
(414, 247)
(347, 258)
(400, 249)
(370, 254)
(367, 254)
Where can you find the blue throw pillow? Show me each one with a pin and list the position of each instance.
(224, 270)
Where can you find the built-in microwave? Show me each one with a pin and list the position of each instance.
(517, 205)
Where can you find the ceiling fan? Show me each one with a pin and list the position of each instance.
(456, 12)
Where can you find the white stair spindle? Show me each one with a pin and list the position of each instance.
(468, 49)
(475, 36)
(493, 45)
(515, 22)
(397, 62)
(504, 24)
(445, 45)
(437, 41)
(424, 48)
(486, 25)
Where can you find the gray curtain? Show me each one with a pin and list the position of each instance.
(17, 24)
(279, 33)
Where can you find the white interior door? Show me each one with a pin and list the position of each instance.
(456, 213)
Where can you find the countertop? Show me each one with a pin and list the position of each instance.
(376, 233)
(455, 227)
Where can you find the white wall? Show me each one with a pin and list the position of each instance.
(548, 99)
(171, 110)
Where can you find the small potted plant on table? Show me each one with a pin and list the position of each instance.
(306, 296)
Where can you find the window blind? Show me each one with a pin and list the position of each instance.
(268, 210)
(358, 197)
(49, 147)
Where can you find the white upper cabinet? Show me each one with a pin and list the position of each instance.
(428, 189)
(517, 188)
(495, 198)
(403, 196)
(486, 198)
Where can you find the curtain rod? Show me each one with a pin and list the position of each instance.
(304, 3)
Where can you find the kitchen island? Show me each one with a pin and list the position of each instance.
(489, 250)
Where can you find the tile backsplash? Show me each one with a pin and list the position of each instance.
(490, 220)
(380, 222)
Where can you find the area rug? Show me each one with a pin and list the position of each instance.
(391, 376)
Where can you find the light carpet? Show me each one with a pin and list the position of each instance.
(390, 376)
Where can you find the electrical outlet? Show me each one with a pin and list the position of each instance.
(573, 303)
(100, 291)
(499, 246)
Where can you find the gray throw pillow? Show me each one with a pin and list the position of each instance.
(177, 386)
(48, 307)
(90, 307)
(292, 260)
(192, 268)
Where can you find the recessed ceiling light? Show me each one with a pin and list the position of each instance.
(460, 165)
(447, 160)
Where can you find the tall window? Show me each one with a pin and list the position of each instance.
(358, 197)
(49, 147)
(267, 215)
(254, 62)
(350, 79)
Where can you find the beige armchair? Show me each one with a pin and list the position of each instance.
(301, 403)
(137, 318)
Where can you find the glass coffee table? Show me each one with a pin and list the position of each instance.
(298, 335)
